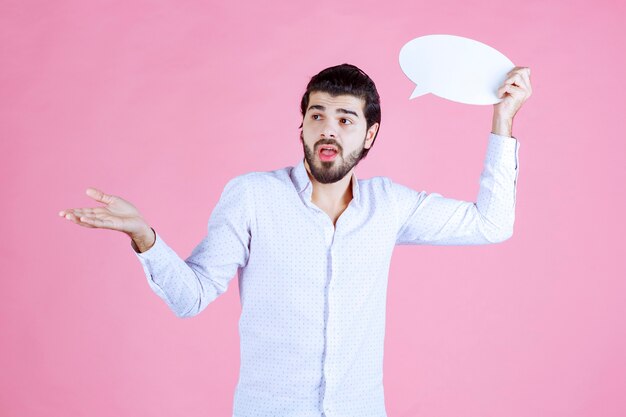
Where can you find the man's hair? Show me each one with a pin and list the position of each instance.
(346, 79)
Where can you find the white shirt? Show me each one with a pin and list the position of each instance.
(313, 295)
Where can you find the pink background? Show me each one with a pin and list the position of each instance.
(162, 102)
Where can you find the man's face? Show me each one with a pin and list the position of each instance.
(334, 134)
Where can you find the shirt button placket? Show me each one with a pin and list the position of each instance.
(330, 236)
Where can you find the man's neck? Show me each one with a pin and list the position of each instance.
(335, 196)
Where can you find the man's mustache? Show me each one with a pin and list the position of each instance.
(328, 142)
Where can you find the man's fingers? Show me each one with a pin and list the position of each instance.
(518, 83)
(526, 77)
(66, 213)
(87, 217)
(513, 90)
(515, 78)
(519, 80)
(99, 195)
(77, 212)
(90, 211)
(525, 70)
(100, 222)
(92, 221)
(520, 74)
(71, 217)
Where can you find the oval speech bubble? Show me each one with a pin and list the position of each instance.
(455, 68)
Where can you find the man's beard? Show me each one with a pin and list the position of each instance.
(331, 171)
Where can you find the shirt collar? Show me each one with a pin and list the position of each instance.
(301, 180)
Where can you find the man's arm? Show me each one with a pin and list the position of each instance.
(432, 219)
(435, 220)
(186, 286)
(189, 286)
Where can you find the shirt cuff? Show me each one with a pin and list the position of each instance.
(155, 250)
(503, 148)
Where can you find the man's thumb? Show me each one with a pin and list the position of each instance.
(99, 195)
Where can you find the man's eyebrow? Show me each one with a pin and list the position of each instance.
(317, 107)
(346, 111)
(340, 110)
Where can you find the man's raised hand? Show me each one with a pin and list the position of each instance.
(116, 214)
(515, 90)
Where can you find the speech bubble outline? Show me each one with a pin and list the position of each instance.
(454, 68)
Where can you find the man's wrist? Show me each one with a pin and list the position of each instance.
(145, 239)
(502, 126)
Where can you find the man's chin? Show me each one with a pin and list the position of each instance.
(327, 164)
(328, 175)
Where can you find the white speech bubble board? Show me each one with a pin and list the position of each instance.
(455, 68)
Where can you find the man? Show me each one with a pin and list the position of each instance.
(312, 245)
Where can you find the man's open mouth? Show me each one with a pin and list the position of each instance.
(327, 152)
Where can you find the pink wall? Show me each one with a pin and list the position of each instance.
(163, 102)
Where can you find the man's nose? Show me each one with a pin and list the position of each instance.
(329, 129)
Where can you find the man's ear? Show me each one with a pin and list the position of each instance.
(371, 135)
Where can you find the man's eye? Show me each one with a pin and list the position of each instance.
(346, 121)
(316, 117)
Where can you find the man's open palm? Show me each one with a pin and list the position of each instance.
(116, 214)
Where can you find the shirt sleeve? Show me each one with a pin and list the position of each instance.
(433, 219)
(189, 286)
